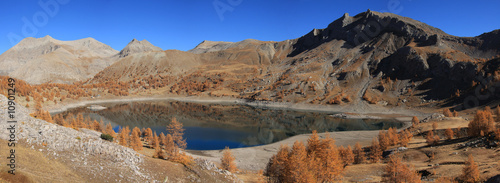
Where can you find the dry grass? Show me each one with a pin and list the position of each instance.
(34, 166)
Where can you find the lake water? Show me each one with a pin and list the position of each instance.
(214, 126)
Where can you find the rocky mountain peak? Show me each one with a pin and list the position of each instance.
(366, 26)
(136, 46)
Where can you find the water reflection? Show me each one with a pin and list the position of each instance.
(214, 126)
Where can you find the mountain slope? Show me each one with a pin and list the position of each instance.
(372, 57)
(368, 58)
(136, 46)
(54, 61)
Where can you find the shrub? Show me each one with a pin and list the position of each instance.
(359, 154)
(375, 151)
(227, 161)
(447, 113)
(482, 124)
(432, 139)
(107, 137)
(414, 121)
(470, 173)
(318, 162)
(449, 134)
(397, 171)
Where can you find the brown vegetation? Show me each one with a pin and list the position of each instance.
(318, 162)
(397, 171)
(470, 173)
(227, 161)
(482, 124)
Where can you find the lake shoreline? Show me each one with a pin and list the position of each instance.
(352, 111)
(255, 158)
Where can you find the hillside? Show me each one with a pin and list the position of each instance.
(136, 46)
(379, 58)
(80, 155)
(369, 58)
(52, 61)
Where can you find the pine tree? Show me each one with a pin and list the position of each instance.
(347, 155)
(169, 144)
(375, 151)
(384, 141)
(177, 131)
(158, 152)
(470, 173)
(414, 121)
(313, 142)
(276, 169)
(162, 139)
(392, 135)
(332, 164)
(434, 125)
(135, 140)
(359, 154)
(124, 136)
(96, 126)
(397, 171)
(109, 130)
(447, 113)
(297, 165)
(80, 121)
(482, 124)
(405, 138)
(432, 139)
(155, 142)
(227, 161)
(148, 136)
(449, 134)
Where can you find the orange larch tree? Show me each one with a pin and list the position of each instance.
(397, 171)
(109, 130)
(447, 113)
(359, 154)
(313, 143)
(432, 139)
(375, 151)
(415, 121)
(470, 173)
(135, 140)
(155, 142)
(175, 128)
(297, 165)
(346, 154)
(227, 161)
(169, 144)
(482, 124)
(148, 136)
(276, 168)
(383, 140)
(434, 126)
(449, 134)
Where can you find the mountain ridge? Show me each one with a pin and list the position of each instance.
(353, 57)
(51, 60)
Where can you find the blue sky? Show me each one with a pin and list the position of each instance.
(182, 24)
